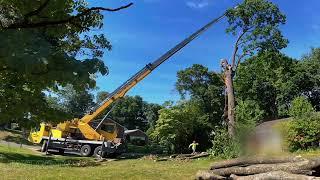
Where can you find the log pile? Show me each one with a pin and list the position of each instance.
(255, 168)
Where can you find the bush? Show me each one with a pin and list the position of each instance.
(248, 114)
(224, 146)
(300, 106)
(304, 133)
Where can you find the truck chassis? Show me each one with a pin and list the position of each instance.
(86, 148)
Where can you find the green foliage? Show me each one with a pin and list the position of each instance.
(248, 114)
(75, 103)
(307, 77)
(41, 57)
(267, 79)
(101, 96)
(132, 111)
(304, 132)
(195, 116)
(178, 125)
(300, 107)
(223, 146)
(205, 88)
(147, 149)
(258, 22)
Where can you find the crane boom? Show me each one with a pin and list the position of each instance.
(126, 86)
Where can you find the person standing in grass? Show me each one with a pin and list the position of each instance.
(193, 146)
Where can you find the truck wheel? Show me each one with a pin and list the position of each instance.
(85, 151)
(44, 146)
(97, 152)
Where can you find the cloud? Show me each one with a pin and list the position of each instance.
(198, 4)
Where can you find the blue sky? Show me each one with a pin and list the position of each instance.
(143, 32)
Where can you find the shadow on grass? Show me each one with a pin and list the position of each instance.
(13, 157)
(17, 140)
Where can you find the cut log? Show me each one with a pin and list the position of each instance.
(301, 167)
(274, 175)
(205, 175)
(255, 160)
(199, 156)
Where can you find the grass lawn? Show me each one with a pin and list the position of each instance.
(16, 163)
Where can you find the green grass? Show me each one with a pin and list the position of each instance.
(16, 163)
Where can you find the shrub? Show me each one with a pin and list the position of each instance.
(147, 149)
(300, 106)
(248, 114)
(304, 133)
(224, 146)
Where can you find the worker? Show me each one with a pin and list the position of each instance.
(193, 146)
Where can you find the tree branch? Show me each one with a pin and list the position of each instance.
(242, 56)
(65, 21)
(37, 11)
(236, 47)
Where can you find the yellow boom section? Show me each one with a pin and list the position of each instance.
(88, 117)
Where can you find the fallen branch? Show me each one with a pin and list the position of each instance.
(254, 160)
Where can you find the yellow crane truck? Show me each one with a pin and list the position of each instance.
(99, 137)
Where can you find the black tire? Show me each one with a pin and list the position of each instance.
(86, 150)
(44, 146)
(97, 152)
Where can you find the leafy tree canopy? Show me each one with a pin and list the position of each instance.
(267, 79)
(132, 111)
(256, 22)
(203, 87)
(307, 77)
(300, 106)
(40, 49)
(178, 125)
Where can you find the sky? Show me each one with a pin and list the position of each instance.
(149, 28)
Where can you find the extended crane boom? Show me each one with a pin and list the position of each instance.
(126, 86)
(83, 135)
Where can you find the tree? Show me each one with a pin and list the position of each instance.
(300, 107)
(41, 42)
(196, 115)
(257, 24)
(180, 124)
(76, 103)
(101, 96)
(268, 80)
(204, 87)
(132, 111)
(307, 77)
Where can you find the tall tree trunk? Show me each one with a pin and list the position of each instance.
(231, 100)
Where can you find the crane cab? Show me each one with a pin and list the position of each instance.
(36, 135)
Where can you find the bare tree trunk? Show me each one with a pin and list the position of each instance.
(231, 100)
